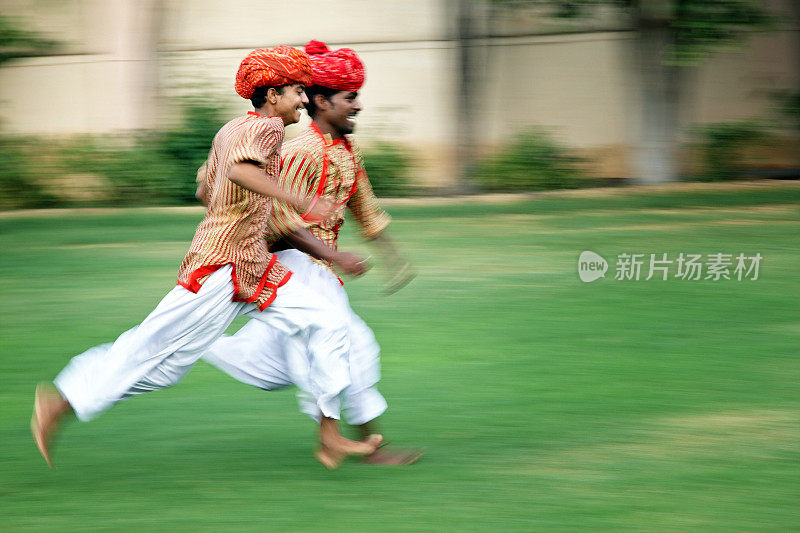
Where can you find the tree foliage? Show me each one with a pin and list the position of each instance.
(532, 161)
(699, 27)
(17, 42)
(387, 166)
(704, 26)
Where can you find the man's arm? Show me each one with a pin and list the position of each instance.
(347, 262)
(399, 268)
(251, 177)
(259, 144)
(373, 221)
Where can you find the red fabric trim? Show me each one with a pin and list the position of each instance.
(261, 284)
(281, 283)
(341, 140)
(322, 182)
(193, 285)
(323, 178)
(235, 283)
(315, 127)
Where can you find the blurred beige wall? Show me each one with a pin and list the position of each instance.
(124, 58)
(102, 81)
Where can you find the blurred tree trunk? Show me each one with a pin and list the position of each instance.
(152, 74)
(672, 36)
(138, 24)
(470, 33)
(660, 85)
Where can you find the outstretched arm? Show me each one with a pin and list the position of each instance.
(252, 178)
(373, 221)
(398, 267)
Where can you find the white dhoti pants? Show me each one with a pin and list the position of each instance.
(267, 358)
(161, 350)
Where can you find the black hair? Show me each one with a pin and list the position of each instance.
(259, 97)
(312, 91)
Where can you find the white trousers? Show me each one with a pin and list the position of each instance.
(160, 351)
(267, 358)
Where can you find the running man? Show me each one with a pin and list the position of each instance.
(226, 273)
(323, 161)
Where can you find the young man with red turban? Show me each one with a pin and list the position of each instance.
(226, 273)
(321, 162)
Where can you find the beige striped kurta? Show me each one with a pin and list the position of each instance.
(315, 165)
(233, 228)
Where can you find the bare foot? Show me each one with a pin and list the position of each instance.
(343, 445)
(329, 459)
(385, 455)
(334, 447)
(48, 408)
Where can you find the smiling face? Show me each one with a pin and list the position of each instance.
(339, 111)
(289, 102)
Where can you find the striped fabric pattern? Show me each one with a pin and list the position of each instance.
(233, 228)
(305, 160)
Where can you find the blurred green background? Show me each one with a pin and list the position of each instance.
(545, 403)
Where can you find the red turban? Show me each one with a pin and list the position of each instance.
(336, 69)
(282, 65)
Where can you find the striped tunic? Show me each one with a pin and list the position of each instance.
(233, 228)
(315, 165)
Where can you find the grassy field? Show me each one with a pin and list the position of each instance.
(545, 403)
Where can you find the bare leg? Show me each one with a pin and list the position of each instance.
(334, 447)
(49, 408)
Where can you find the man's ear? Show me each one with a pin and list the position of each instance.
(272, 96)
(321, 102)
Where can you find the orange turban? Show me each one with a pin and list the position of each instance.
(336, 69)
(282, 65)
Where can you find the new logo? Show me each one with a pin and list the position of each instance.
(591, 266)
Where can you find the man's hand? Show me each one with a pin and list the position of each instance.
(350, 263)
(399, 270)
(202, 193)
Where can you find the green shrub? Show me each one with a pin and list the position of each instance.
(133, 166)
(532, 161)
(187, 145)
(20, 185)
(152, 167)
(789, 107)
(720, 145)
(387, 167)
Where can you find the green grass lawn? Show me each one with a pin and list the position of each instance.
(545, 403)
